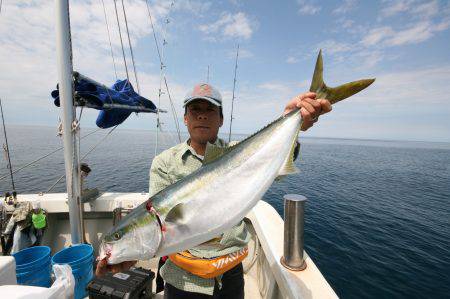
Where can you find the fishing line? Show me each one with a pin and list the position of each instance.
(109, 38)
(131, 48)
(45, 156)
(84, 156)
(7, 146)
(121, 41)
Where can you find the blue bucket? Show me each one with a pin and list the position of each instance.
(33, 266)
(80, 258)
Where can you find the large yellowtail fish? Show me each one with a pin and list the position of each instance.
(219, 194)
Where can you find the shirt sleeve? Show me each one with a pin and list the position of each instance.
(159, 176)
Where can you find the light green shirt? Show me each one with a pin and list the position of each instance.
(167, 168)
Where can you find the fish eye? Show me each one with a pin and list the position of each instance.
(117, 236)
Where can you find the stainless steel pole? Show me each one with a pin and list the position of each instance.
(71, 155)
(294, 223)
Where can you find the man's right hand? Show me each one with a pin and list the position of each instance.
(103, 267)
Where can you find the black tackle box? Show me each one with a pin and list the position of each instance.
(134, 283)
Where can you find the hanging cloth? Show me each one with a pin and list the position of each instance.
(115, 103)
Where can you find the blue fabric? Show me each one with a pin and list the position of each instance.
(121, 92)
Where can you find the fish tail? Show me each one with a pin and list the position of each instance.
(334, 94)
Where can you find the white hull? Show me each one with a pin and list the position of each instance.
(265, 277)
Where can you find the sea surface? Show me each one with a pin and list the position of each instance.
(377, 215)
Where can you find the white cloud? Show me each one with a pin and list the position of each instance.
(426, 10)
(416, 34)
(398, 105)
(275, 86)
(308, 7)
(417, 9)
(229, 25)
(395, 7)
(243, 53)
(376, 35)
(333, 47)
(197, 8)
(422, 21)
(419, 32)
(292, 60)
(408, 94)
(428, 86)
(346, 23)
(369, 58)
(345, 7)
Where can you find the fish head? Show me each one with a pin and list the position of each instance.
(132, 239)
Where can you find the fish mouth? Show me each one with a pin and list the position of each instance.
(105, 251)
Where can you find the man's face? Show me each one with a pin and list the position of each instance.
(203, 121)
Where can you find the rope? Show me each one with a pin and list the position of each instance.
(121, 41)
(131, 48)
(109, 38)
(84, 156)
(98, 143)
(56, 183)
(174, 112)
(44, 156)
(7, 148)
(153, 29)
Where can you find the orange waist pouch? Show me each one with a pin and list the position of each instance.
(208, 268)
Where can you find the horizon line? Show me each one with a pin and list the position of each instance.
(306, 137)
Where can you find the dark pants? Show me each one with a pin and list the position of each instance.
(232, 287)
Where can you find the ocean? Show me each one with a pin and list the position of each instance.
(377, 215)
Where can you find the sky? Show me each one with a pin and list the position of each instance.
(404, 44)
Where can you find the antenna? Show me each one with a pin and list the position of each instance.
(234, 88)
(162, 76)
(207, 75)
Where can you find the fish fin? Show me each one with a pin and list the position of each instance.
(334, 94)
(176, 214)
(288, 166)
(214, 152)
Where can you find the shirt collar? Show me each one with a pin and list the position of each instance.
(186, 149)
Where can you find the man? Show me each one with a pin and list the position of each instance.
(203, 117)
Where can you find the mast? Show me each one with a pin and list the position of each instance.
(71, 155)
(234, 88)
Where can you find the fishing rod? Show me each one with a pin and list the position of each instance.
(234, 88)
(6, 148)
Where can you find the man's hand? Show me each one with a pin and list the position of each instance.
(103, 267)
(310, 108)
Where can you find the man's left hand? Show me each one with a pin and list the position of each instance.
(310, 108)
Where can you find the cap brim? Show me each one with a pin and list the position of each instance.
(211, 100)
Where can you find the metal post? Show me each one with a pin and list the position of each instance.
(71, 159)
(294, 223)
